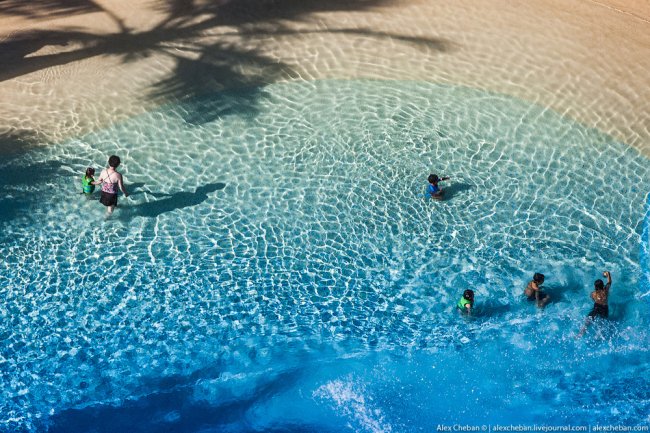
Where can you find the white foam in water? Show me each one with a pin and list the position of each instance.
(350, 399)
(252, 239)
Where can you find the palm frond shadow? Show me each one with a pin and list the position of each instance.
(36, 9)
(218, 66)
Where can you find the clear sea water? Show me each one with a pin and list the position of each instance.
(278, 268)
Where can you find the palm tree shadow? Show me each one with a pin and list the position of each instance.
(215, 65)
(201, 89)
(47, 8)
(16, 142)
(172, 202)
(17, 195)
(177, 397)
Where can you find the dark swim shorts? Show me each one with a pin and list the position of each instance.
(599, 311)
(108, 199)
(542, 296)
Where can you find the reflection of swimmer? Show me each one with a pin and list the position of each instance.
(600, 296)
(534, 291)
(433, 189)
(466, 302)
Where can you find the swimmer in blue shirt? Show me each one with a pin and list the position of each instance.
(433, 189)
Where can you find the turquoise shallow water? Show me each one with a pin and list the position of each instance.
(277, 267)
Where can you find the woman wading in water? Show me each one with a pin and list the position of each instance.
(110, 179)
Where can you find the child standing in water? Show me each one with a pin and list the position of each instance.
(433, 189)
(466, 302)
(87, 182)
(534, 291)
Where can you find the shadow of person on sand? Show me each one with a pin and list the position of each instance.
(172, 202)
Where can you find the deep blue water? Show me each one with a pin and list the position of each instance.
(278, 268)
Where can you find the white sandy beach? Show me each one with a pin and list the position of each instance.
(72, 69)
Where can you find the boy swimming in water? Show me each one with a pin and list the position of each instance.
(534, 291)
(600, 296)
(433, 189)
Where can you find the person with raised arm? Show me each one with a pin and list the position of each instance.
(600, 297)
(433, 190)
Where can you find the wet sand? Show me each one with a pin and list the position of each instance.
(75, 66)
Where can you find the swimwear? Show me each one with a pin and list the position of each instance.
(109, 192)
(109, 187)
(599, 311)
(87, 186)
(433, 189)
(108, 199)
(462, 304)
(542, 296)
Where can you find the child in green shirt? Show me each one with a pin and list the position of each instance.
(87, 181)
